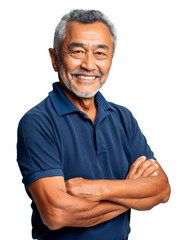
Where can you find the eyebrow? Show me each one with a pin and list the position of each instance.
(77, 44)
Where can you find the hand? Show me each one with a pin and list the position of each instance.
(142, 168)
(84, 188)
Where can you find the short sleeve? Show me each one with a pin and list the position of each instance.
(140, 146)
(37, 152)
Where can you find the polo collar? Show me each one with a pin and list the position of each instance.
(64, 106)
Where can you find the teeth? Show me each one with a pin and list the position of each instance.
(86, 77)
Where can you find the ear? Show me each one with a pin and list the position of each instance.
(54, 59)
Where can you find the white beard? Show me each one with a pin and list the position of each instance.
(80, 94)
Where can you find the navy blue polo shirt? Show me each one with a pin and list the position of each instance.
(57, 139)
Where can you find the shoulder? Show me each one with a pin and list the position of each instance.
(36, 117)
(122, 111)
(125, 117)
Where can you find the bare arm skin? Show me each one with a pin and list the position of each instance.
(58, 209)
(146, 186)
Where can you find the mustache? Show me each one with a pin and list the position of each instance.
(76, 72)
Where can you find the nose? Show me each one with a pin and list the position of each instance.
(88, 62)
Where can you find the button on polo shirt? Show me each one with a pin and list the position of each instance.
(56, 139)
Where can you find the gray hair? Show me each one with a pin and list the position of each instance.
(82, 16)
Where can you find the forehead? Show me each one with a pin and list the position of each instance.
(96, 32)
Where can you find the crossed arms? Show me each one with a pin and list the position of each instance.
(80, 202)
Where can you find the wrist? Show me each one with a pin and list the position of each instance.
(104, 189)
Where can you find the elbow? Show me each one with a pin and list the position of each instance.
(52, 224)
(163, 197)
(167, 192)
(145, 207)
(54, 220)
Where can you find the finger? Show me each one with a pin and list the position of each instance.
(134, 167)
(150, 171)
(154, 174)
(144, 166)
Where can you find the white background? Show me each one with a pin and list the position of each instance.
(145, 77)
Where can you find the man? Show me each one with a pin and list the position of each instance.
(84, 161)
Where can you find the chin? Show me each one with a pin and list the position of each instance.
(86, 95)
(78, 93)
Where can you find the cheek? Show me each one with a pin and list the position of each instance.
(105, 67)
(70, 64)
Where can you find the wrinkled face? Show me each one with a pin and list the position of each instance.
(86, 57)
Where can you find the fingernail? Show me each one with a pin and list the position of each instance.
(155, 174)
(144, 157)
(156, 165)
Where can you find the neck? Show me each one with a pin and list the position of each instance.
(86, 105)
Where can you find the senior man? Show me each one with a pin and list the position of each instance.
(84, 161)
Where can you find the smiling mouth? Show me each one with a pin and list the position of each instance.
(86, 76)
(83, 77)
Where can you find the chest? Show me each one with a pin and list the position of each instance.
(101, 151)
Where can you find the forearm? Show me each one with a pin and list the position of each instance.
(139, 204)
(145, 186)
(58, 208)
(133, 189)
(77, 212)
(140, 194)
(102, 212)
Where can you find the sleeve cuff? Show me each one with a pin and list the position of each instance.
(42, 174)
(150, 157)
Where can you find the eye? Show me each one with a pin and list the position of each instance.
(78, 53)
(100, 55)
